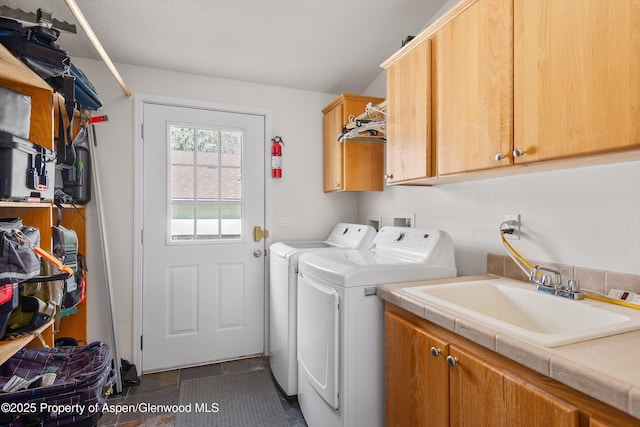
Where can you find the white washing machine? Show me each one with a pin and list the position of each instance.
(341, 363)
(283, 275)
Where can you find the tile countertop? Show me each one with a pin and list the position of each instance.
(607, 369)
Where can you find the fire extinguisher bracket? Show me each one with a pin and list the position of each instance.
(276, 157)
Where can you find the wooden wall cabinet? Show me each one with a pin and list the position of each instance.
(437, 378)
(576, 68)
(544, 83)
(17, 76)
(473, 89)
(351, 165)
(409, 150)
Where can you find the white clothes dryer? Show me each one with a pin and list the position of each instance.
(283, 276)
(341, 363)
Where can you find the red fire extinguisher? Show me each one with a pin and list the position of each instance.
(276, 157)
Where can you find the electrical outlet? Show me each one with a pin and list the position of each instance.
(516, 228)
(404, 220)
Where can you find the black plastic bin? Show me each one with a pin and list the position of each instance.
(27, 170)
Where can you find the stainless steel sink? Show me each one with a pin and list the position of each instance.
(516, 307)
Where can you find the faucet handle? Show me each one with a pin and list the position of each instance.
(573, 285)
(533, 274)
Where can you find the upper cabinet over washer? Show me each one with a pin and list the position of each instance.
(351, 164)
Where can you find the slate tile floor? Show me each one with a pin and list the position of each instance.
(164, 387)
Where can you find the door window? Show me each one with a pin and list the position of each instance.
(205, 183)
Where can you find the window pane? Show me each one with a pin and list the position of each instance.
(207, 222)
(182, 182)
(231, 222)
(207, 183)
(231, 184)
(182, 138)
(208, 146)
(182, 224)
(231, 150)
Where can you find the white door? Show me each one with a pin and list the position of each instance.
(203, 274)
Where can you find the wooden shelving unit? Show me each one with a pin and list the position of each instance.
(17, 76)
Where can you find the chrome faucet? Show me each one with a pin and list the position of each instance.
(553, 285)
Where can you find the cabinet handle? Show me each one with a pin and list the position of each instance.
(388, 176)
(451, 361)
(337, 185)
(499, 156)
(435, 352)
(518, 152)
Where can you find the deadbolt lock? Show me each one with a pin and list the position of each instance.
(259, 233)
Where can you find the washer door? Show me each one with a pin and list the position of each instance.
(318, 337)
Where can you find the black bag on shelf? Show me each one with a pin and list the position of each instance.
(36, 47)
(81, 378)
(77, 180)
(40, 300)
(65, 248)
(18, 261)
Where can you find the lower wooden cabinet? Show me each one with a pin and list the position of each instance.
(437, 378)
(417, 383)
(483, 395)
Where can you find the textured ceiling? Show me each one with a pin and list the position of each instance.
(330, 46)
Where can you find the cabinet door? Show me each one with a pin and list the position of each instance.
(409, 153)
(530, 406)
(417, 382)
(363, 164)
(476, 391)
(473, 88)
(577, 64)
(483, 395)
(332, 149)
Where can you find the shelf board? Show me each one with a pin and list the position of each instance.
(25, 204)
(8, 347)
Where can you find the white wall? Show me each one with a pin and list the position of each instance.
(586, 217)
(296, 116)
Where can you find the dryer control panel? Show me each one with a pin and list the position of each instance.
(424, 245)
(352, 236)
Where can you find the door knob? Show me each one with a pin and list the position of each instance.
(259, 233)
(451, 361)
(257, 253)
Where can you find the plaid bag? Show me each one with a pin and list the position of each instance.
(76, 380)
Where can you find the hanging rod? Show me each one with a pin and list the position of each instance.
(371, 124)
(73, 7)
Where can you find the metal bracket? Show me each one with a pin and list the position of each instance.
(43, 17)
